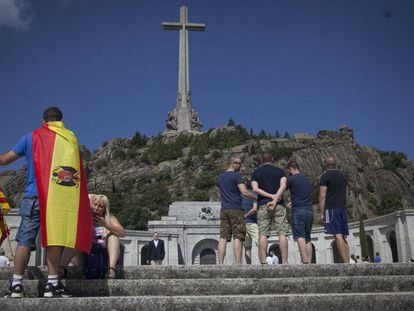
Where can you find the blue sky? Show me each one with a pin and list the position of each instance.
(296, 66)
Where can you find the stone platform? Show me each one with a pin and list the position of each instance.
(288, 287)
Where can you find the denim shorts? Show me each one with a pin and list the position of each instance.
(30, 222)
(336, 221)
(302, 220)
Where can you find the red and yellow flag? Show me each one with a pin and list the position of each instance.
(66, 218)
(4, 210)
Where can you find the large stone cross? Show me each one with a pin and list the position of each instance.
(183, 118)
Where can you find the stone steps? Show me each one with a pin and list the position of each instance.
(298, 302)
(242, 286)
(244, 271)
(281, 287)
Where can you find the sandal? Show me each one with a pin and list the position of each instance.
(111, 274)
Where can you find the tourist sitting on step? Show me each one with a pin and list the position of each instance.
(108, 230)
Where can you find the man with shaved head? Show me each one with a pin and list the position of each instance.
(332, 206)
(232, 224)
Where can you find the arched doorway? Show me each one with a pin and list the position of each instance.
(313, 254)
(144, 255)
(392, 241)
(336, 255)
(276, 249)
(370, 248)
(203, 252)
(208, 257)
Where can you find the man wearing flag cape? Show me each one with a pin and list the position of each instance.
(55, 199)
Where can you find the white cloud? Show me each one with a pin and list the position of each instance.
(15, 14)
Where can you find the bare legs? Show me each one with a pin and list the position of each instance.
(113, 246)
(263, 248)
(53, 259)
(222, 250)
(248, 255)
(343, 247)
(283, 245)
(305, 250)
(21, 259)
(237, 250)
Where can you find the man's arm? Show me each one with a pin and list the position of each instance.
(246, 193)
(281, 190)
(255, 187)
(252, 211)
(322, 201)
(162, 249)
(8, 158)
(279, 194)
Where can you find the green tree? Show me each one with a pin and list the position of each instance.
(287, 136)
(231, 122)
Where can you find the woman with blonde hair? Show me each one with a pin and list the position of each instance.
(108, 230)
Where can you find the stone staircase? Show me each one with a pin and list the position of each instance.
(283, 287)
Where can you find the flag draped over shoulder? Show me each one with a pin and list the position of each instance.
(66, 219)
(4, 210)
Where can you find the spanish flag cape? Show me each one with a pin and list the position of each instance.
(65, 216)
(4, 210)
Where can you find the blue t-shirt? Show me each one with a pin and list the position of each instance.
(229, 191)
(247, 205)
(24, 147)
(268, 177)
(300, 191)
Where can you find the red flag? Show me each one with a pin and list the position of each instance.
(4, 209)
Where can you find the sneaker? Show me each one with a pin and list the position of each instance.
(15, 291)
(58, 291)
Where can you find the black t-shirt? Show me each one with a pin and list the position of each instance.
(268, 177)
(336, 183)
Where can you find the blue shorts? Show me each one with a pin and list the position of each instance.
(336, 221)
(301, 222)
(30, 223)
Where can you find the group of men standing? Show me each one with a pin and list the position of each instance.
(264, 204)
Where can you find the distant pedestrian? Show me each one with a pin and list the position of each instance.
(231, 185)
(4, 261)
(377, 258)
(156, 250)
(250, 217)
(332, 206)
(272, 259)
(358, 259)
(352, 259)
(302, 210)
(269, 182)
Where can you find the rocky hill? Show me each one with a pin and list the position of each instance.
(142, 176)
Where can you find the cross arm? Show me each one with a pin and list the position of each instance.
(172, 26)
(196, 27)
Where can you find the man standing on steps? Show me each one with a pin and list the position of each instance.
(232, 213)
(302, 210)
(269, 182)
(55, 198)
(332, 206)
(156, 250)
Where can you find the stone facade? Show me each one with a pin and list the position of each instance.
(191, 235)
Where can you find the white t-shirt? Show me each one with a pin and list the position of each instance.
(272, 260)
(4, 261)
(156, 243)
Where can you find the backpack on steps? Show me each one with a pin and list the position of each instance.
(96, 263)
